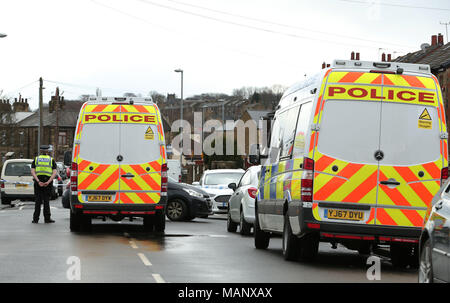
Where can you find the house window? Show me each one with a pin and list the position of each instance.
(62, 138)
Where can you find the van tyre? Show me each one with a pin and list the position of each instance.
(309, 246)
(231, 226)
(401, 255)
(176, 210)
(291, 243)
(149, 223)
(261, 237)
(160, 222)
(244, 226)
(75, 222)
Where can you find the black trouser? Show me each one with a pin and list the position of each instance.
(42, 196)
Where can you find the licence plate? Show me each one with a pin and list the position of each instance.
(22, 185)
(344, 214)
(99, 198)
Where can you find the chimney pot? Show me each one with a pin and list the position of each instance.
(389, 57)
(440, 39)
(433, 40)
(352, 56)
(357, 56)
(383, 57)
(328, 65)
(323, 65)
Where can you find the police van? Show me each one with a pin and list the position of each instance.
(118, 166)
(355, 155)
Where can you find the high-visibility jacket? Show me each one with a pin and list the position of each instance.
(43, 166)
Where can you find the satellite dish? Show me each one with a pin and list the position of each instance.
(424, 46)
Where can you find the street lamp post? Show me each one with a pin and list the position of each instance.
(181, 114)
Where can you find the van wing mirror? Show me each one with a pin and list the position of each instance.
(68, 158)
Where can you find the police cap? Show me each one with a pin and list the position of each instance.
(44, 147)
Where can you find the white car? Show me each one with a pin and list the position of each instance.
(215, 183)
(242, 203)
(16, 180)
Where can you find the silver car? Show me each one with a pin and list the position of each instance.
(434, 240)
(241, 210)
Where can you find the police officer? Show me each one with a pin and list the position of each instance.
(43, 170)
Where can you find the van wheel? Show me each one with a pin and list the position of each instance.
(291, 243)
(231, 226)
(244, 227)
(176, 210)
(262, 238)
(149, 223)
(86, 223)
(309, 246)
(160, 222)
(6, 201)
(400, 255)
(75, 222)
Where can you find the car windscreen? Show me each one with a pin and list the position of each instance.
(18, 169)
(222, 178)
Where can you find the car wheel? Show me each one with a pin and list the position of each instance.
(291, 243)
(176, 210)
(261, 237)
(244, 227)
(426, 265)
(231, 226)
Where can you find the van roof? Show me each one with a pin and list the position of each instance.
(121, 100)
(381, 66)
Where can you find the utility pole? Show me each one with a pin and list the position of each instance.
(56, 107)
(41, 123)
(446, 28)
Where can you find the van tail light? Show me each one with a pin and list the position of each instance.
(2, 184)
(164, 179)
(74, 177)
(179, 178)
(307, 180)
(444, 175)
(252, 192)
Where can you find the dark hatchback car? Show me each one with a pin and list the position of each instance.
(435, 240)
(186, 202)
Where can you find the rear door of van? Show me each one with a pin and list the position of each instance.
(119, 156)
(378, 155)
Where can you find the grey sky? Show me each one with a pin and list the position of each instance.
(134, 45)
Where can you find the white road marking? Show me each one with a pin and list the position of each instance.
(133, 244)
(144, 259)
(20, 208)
(52, 207)
(218, 236)
(158, 278)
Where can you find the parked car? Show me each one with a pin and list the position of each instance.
(61, 170)
(16, 180)
(434, 262)
(215, 183)
(58, 185)
(241, 210)
(186, 202)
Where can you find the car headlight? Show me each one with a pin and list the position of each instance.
(193, 193)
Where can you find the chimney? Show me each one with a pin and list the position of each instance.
(389, 57)
(383, 57)
(440, 39)
(433, 40)
(357, 56)
(323, 65)
(352, 56)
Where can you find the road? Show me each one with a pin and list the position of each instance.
(190, 252)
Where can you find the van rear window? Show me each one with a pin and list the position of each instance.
(18, 169)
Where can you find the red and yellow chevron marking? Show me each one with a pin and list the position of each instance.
(355, 183)
(142, 180)
(355, 77)
(102, 177)
(139, 198)
(399, 217)
(408, 81)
